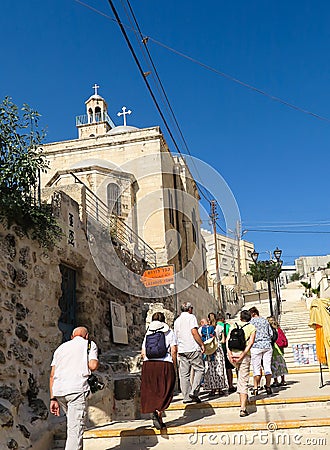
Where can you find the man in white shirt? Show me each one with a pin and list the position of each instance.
(69, 388)
(190, 349)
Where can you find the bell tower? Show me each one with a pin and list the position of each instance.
(96, 121)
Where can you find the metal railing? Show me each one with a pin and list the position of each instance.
(86, 119)
(116, 226)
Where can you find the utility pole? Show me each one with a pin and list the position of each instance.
(239, 272)
(214, 216)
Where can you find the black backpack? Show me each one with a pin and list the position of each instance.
(274, 335)
(237, 339)
(156, 345)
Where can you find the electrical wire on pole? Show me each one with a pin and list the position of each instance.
(213, 216)
(239, 272)
(143, 74)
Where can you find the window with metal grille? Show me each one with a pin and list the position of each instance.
(67, 302)
(114, 198)
(170, 208)
(194, 227)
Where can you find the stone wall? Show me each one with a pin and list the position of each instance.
(30, 289)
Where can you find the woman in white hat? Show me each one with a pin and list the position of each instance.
(159, 352)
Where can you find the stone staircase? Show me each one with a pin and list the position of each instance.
(286, 415)
(293, 416)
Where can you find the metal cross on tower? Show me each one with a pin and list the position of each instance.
(96, 87)
(124, 113)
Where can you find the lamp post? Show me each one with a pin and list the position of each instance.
(278, 253)
(269, 264)
(219, 294)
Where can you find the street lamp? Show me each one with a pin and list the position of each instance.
(269, 264)
(277, 253)
(254, 256)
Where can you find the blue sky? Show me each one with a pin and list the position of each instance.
(274, 158)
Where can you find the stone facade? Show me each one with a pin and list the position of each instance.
(161, 206)
(31, 288)
(44, 294)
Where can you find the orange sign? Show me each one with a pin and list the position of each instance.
(158, 277)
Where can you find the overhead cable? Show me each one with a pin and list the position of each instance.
(163, 93)
(212, 69)
(288, 231)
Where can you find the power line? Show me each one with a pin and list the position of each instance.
(128, 42)
(218, 72)
(145, 41)
(242, 83)
(219, 226)
(288, 231)
(295, 225)
(320, 223)
(144, 75)
(163, 93)
(287, 222)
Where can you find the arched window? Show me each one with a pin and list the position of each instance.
(114, 199)
(90, 115)
(98, 114)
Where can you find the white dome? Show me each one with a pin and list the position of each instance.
(122, 129)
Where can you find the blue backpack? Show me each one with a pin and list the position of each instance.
(156, 345)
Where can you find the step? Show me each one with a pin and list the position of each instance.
(299, 369)
(289, 408)
(298, 331)
(189, 428)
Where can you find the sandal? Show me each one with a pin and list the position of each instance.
(268, 390)
(243, 413)
(255, 392)
(282, 383)
(157, 421)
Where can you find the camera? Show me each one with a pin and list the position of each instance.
(94, 383)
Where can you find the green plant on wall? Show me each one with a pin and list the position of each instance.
(21, 161)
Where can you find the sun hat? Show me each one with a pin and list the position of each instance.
(156, 325)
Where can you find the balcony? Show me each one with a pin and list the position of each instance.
(87, 119)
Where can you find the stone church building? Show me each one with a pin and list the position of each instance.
(125, 205)
(143, 185)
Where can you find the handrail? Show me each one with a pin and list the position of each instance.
(85, 119)
(116, 226)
